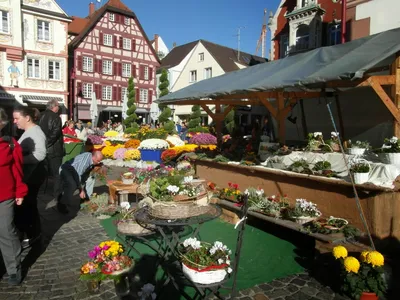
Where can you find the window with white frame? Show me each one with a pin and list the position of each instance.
(107, 67)
(43, 31)
(87, 90)
(193, 76)
(302, 37)
(107, 92)
(127, 44)
(107, 39)
(5, 22)
(127, 21)
(54, 70)
(126, 70)
(146, 73)
(201, 56)
(87, 64)
(207, 73)
(144, 96)
(111, 17)
(33, 68)
(335, 30)
(124, 92)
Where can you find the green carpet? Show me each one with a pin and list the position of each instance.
(264, 256)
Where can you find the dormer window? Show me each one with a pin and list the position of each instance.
(111, 17)
(302, 37)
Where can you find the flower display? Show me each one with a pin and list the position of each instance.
(175, 140)
(119, 153)
(153, 144)
(339, 252)
(133, 143)
(203, 139)
(375, 258)
(108, 151)
(169, 154)
(351, 264)
(95, 139)
(192, 242)
(232, 192)
(111, 133)
(363, 256)
(132, 154)
(391, 145)
(307, 208)
(89, 268)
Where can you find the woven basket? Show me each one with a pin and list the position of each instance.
(179, 210)
(206, 277)
(130, 227)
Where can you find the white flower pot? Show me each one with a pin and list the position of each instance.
(390, 158)
(304, 220)
(206, 277)
(360, 178)
(356, 151)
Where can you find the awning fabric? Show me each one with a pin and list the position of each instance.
(41, 99)
(311, 69)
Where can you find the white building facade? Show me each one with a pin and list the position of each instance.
(35, 61)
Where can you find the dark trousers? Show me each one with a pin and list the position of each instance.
(27, 217)
(53, 165)
(69, 185)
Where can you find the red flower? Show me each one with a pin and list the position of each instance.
(230, 184)
(235, 186)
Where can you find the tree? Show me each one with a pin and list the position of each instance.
(230, 121)
(130, 121)
(165, 116)
(195, 119)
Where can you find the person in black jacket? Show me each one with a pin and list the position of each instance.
(50, 123)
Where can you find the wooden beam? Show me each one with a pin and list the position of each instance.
(207, 110)
(385, 99)
(395, 91)
(281, 118)
(269, 106)
(381, 79)
(227, 110)
(288, 108)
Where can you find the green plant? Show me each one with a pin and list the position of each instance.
(130, 121)
(302, 208)
(195, 118)
(360, 167)
(230, 121)
(300, 166)
(391, 145)
(322, 165)
(221, 158)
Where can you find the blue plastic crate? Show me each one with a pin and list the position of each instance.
(151, 155)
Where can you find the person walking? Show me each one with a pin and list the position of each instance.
(33, 143)
(74, 174)
(12, 193)
(50, 123)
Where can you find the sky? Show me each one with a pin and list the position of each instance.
(183, 21)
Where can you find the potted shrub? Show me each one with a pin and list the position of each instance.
(204, 263)
(303, 212)
(357, 148)
(151, 149)
(360, 170)
(361, 278)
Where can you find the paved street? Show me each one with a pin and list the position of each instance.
(54, 273)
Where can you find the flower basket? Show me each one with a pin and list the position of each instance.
(356, 151)
(303, 219)
(116, 273)
(151, 155)
(130, 227)
(390, 158)
(360, 178)
(205, 276)
(179, 209)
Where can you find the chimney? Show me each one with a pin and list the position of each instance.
(156, 42)
(92, 8)
(173, 45)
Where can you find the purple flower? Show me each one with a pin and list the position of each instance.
(203, 139)
(95, 139)
(92, 254)
(106, 247)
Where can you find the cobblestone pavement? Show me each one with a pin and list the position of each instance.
(52, 271)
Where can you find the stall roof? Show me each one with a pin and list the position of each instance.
(302, 71)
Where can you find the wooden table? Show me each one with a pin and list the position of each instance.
(118, 189)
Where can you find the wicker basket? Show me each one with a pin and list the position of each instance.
(130, 227)
(179, 210)
(205, 277)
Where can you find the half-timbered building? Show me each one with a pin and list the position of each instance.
(107, 48)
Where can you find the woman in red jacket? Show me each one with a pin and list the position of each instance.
(12, 192)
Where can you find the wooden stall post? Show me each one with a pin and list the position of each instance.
(395, 92)
(281, 118)
(218, 118)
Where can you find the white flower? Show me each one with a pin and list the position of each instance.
(192, 242)
(246, 192)
(260, 192)
(229, 270)
(153, 144)
(334, 134)
(173, 189)
(393, 140)
(317, 134)
(228, 262)
(125, 205)
(188, 179)
(220, 261)
(273, 197)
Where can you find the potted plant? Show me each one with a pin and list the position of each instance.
(390, 151)
(127, 224)
(231, 193)
(300, 166)
(361, 278)
(323, 168)
(204, 263)
(315, 140)
(151, 149)
(357, 148)
(334, 142)
(360, 170)
(259, 202)
(303, 212)
(127, 178)
(106, 262)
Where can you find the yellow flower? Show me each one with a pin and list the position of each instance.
(85, 269)
(132, 154)
(375, 259)
(351, 264)
(111, 133)
(339, 252)
(363, 256)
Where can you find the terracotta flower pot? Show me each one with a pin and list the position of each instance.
(368, 296)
